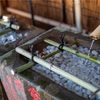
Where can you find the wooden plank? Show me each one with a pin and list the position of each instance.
(53, 9)
(90, 14)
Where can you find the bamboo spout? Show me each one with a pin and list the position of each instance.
(95, 35)
(58, 70)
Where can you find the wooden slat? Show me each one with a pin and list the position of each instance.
(90, 14)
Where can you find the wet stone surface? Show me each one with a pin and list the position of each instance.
(88, 71)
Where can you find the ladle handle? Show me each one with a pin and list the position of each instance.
(95, 35)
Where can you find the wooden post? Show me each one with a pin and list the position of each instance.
(31, 11)
(78, 15)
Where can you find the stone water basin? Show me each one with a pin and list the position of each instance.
(80, 67)
(14, 38)
(85, 70)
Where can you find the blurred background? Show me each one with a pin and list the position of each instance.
(62, 11)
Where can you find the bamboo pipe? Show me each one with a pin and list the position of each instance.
(13, 26)
(30, 64)
(4, 31)
(95, 35)
(22, 68)
(49, 55)
(57, 51)
(6, 55)
(58, 70)
(73, 51)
